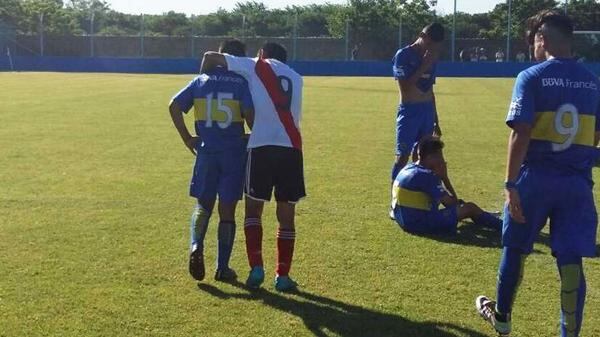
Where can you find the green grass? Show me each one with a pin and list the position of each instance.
(94, 219)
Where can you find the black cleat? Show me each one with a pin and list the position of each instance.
(196, 264)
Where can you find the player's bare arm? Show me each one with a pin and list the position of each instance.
(177, 118)
(442, 172)
(212, 60)
(518, 143)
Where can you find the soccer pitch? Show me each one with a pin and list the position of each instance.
(94, 219)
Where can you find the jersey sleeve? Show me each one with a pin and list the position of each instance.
(185, 97)
(400, 65)
(240, 65)
(522, 109)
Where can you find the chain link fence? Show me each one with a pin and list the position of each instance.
(352, 40)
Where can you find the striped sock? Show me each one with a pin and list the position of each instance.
(253, 232)
(285, 250)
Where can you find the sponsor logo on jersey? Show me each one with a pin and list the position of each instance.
(567, 83)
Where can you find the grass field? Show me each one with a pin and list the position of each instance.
(94, 219)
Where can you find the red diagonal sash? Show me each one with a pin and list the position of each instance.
(281, 102)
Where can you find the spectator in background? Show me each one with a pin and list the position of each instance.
(473, 55)
(355, 51)
(482, 55)
(520, 56)
(499, 56)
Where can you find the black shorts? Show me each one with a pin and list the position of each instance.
(276, 167)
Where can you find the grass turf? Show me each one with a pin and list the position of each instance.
(94, 219)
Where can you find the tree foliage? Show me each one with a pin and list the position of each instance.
(369, 21)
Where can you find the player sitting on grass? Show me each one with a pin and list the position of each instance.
(221, 100)
(418, 190)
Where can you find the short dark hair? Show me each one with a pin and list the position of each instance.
(429, 145)
(552, 18)
(435, 31)
(233, 47)
(275, 51)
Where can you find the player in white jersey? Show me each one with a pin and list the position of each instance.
(274, 153)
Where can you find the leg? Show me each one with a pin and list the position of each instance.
(572, 294)
(408, 121)
(253, 231)
(258, 189)
(198, 228)
(510, 275)
(479, 216)
(399, 163)
(286, 236)
(289, 189)
(225, 236)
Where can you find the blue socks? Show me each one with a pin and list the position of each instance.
(572, 294)
(572, 290)
(225, 237)
(199, 225)
(510, 275)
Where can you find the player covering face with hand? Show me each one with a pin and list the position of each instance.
(414, 68)
(419, 189)
(554, 118)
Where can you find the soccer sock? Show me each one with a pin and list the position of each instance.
(488, 220)
(395, 169)
(572, 294)
(199, 225)
(225, 237)
(510, 275)
(253, 232)
(285, 250)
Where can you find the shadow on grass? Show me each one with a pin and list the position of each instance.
(325, 316)
(469, 234)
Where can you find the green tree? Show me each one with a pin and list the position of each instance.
(520, 12)
(11, 12)
(170, 24)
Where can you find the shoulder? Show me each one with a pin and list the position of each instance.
(201, 79)
(403, 53)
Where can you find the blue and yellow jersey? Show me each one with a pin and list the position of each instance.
(219, 98)
(560, 99)
(406, 62)
(417, 191)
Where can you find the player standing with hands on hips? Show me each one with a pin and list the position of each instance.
(555, 122)
(414, 68)
(274, 154)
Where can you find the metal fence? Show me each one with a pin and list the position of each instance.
(301, 43)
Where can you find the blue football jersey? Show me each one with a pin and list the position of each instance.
(417, 191)
(219, 98)
(560, 99)
(406, 62)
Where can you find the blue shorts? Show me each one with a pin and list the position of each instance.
(567, 200)
(413, 122)
(219, 173)
(441, 222)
